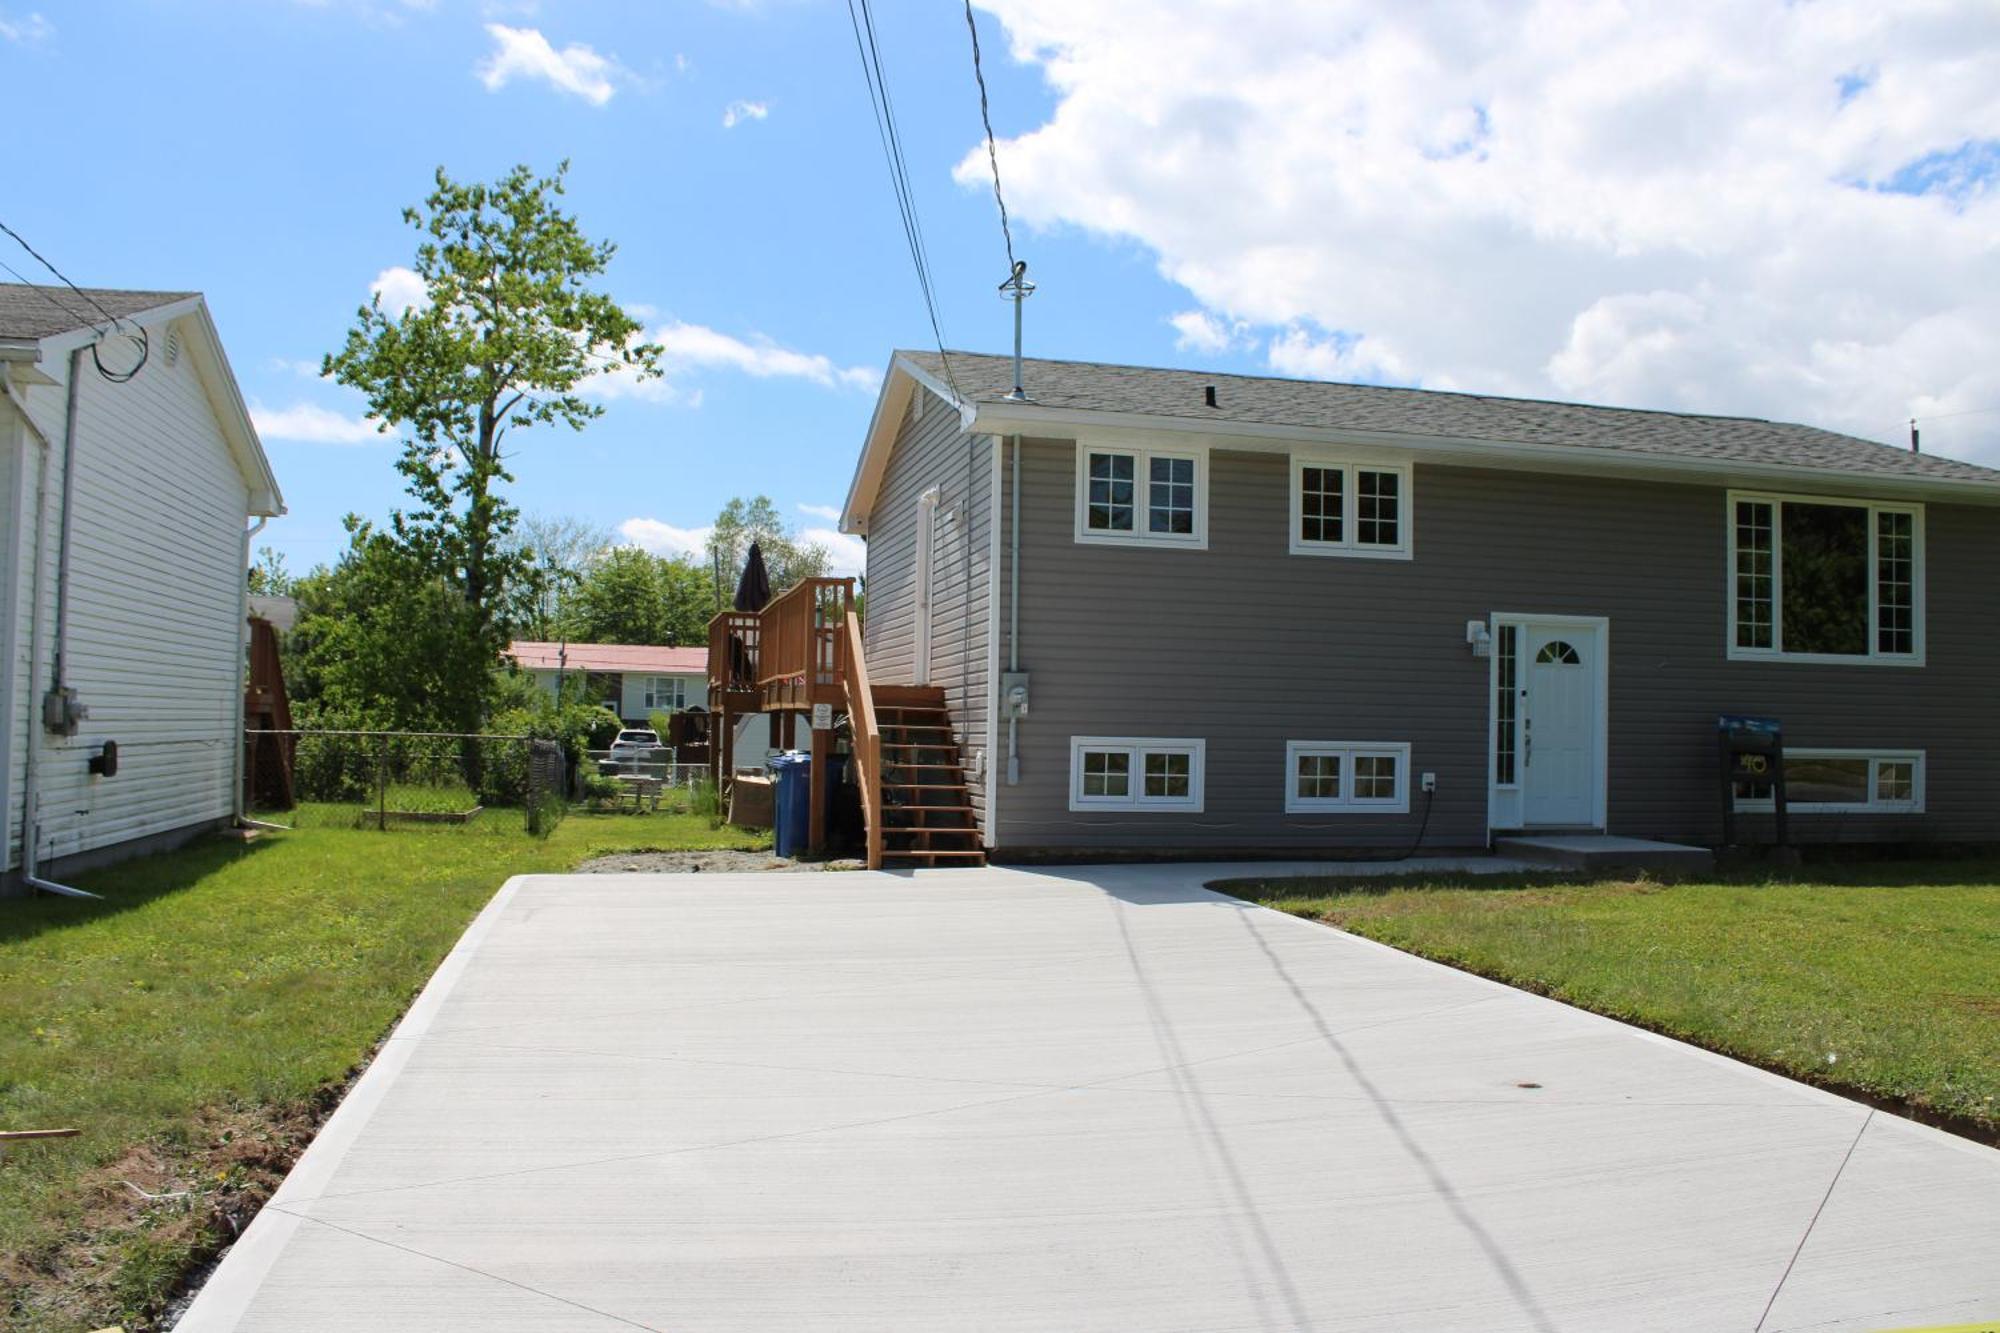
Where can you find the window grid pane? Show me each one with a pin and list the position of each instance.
(1107, 773)
(1170, 505)
(1322, 495)
(1374, 777)
(1895, 781)
(1505, 702)
(1754, 575)
(1112, 503)
(1167, 775)
(1378, 508)
(1895, 582)
(1318, 777)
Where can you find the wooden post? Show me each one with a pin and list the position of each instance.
(722, 749)
(822, 783)
(788, 736)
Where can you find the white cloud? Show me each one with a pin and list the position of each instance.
(400, 290)
(1699, 208)
(302, 367)
(848, 554)
(698, 347)
(1200, 331)
(27, 30)
(525, 54)
(739, 111)
(831, 513)
(664, 538)
(308, 423)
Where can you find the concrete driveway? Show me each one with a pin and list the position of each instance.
(1099, 1099)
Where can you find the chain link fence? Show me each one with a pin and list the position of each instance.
(406, 779)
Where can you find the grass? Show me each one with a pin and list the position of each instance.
(1880, 979)
(198, 1022)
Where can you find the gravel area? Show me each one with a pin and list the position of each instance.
(722, 862)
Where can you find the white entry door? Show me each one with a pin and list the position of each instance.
(1562, 711)
(927, 503)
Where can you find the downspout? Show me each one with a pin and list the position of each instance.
(31, 831)
(68, 517)
(1014, 605)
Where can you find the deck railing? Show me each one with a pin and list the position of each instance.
(800, 658)
(866, 735)
(735, 640)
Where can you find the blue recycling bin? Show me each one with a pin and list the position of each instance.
(791, 816)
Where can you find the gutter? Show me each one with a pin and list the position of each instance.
(31, 823)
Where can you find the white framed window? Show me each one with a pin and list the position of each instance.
(1136, 773)
(666, 694)
(1347, 777)
(1825, 579)
(1884, 782)
(1351, 507)
(1141, 497)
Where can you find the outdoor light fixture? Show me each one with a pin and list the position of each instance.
(1480, 639)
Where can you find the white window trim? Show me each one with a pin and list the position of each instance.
(1874, 657)
(1138, 747)
(1347, 803)
(1350, 498)
(651, 692)
(1913, 806)
(1142, 457)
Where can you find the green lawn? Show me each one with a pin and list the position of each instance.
(198, 1019)
(1876, 978)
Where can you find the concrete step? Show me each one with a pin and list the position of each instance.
(1602, 852)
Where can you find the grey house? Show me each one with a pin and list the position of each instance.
(1182, 611)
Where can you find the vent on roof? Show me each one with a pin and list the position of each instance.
(174, 347)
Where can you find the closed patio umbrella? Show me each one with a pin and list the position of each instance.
(753, 590)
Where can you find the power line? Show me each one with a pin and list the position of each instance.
(992, 154)
(139, 336)
(870, 52)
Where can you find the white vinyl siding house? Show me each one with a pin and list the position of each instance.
(167, 471)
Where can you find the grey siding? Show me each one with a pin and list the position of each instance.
(930, 451)
(1248, 646)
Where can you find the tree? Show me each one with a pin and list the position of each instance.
(558, 551)
(786, 558)
(507, 331)
(631, 596)
(268, 575)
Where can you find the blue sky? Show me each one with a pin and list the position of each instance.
(1777, 210)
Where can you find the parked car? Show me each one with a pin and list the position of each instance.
(633, 748)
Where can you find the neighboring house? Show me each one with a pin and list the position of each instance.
(632, 680)
(123, 551)
(1255, 614)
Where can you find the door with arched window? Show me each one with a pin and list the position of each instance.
(1561, 720)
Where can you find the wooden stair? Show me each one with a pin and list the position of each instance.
(927, 812)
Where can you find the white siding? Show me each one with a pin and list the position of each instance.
(155, 576)
(19, 466)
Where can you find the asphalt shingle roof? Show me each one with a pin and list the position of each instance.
(28, 311)
(1318, 404)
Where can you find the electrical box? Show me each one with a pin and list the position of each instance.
(1013, 694)
(61, 713)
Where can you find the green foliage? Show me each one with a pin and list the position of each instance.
(384, 641)
(558, 551)
(506, 333)
(632, 596)
(661, 723)
(787, 558)
(268, 575)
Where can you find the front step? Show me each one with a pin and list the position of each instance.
(1597, 852)
(927, 811)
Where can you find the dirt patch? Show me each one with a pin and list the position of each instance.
(152, 1216)
(722, 862)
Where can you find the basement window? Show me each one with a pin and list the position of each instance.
(1829, 782)
(1347, 777)
(1136, 773)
